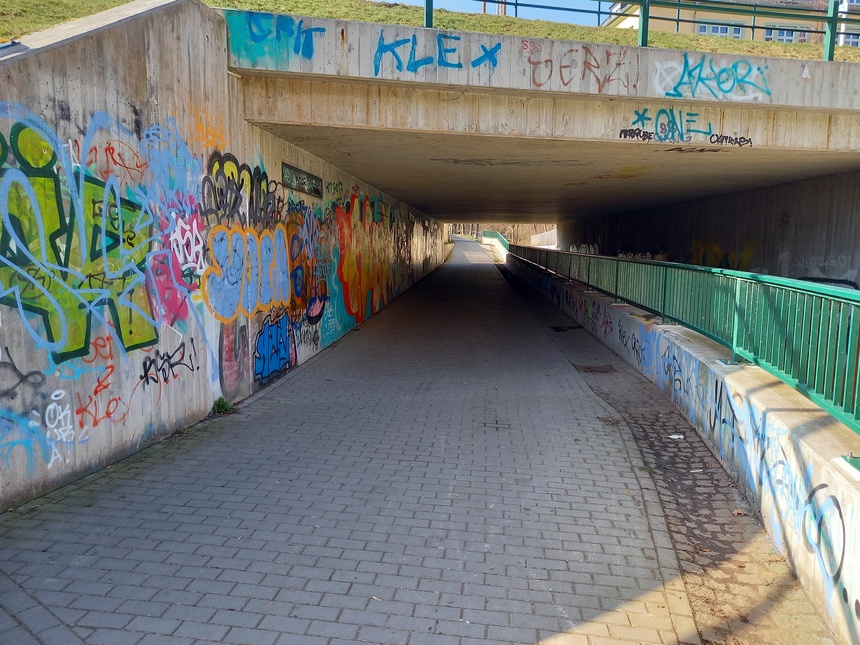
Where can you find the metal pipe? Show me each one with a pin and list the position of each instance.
(428, 14)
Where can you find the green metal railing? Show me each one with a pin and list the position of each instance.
(825, 19)
(497, 236)
(807, 335)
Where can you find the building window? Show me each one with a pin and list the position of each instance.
(725, 31)
(775, 34)
(851, 40)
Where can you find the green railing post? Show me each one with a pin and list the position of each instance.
(736, 321)
(644, 11)
(665, 291)
(428, 14)
(615, 293)
(831, 28)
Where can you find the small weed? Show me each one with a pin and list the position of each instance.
(649, 468)
(222, 406)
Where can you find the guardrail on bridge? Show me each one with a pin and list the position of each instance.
(807, 335)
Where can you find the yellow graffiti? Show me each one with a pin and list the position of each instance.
(367, 255)
(710, 254)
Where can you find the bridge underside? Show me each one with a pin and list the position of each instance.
(511, 156)
(469, 177)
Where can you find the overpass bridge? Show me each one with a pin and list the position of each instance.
(194, 203)
(528, 129)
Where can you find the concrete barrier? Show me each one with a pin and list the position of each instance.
(786, 454)
(499, 249)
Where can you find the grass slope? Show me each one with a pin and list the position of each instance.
(18, 18)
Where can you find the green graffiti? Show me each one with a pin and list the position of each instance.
(48, 270)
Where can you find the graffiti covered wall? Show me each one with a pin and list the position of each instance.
(784, 452)
(157, 252)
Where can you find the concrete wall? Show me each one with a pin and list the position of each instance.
(154, 253)
(805, 229)
(784, 452)
(270, 42)
(547, 239)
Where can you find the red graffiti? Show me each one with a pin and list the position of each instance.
(605, 66)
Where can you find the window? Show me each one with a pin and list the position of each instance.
(725, 31)
(851, 40)
(775, 34)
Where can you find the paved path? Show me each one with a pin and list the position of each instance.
(442, 475)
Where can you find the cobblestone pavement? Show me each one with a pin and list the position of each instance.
(442, 475)
(741, 590)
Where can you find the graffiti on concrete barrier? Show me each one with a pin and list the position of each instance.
(593, 66)
(636, 133)
(711, 254)
(701, 76)
(125, 257)
(163, 367)
(274, 349)
(439, 51)
(71, 245)
(257, 36)
(365, 263)
(677, 125)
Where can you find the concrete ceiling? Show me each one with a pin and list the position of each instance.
(480, 178)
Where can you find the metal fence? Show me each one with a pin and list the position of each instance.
(823, 18)
(806, 334)
(497, 236)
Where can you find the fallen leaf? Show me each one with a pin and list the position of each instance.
(737, 512)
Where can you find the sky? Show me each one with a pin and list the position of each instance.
(474, 6)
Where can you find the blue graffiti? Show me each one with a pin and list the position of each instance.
(249, 273)
(641, 119)
(442, 54)
(17, 433)
(489, 56)
(705, 78)
(274, 349)
(672, 125)
(259, 38)
(260, 28)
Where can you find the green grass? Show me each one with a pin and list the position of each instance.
(221, 407)
(19, 17)
(32, 15)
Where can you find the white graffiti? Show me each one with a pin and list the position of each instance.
(59, 426)
(188, 245)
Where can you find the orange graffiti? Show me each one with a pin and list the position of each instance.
(207, 130)
(367, 255)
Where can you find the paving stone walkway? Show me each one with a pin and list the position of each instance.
(442, 475)
(741, 590)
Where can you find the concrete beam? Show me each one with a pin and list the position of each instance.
(336, 102)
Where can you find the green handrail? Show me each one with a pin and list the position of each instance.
(497, 236)
(806, 334)
(829, 16)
